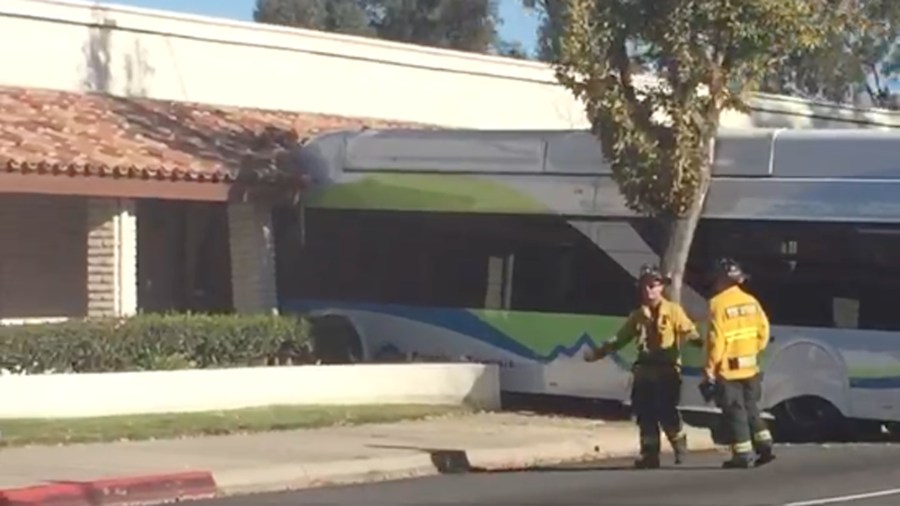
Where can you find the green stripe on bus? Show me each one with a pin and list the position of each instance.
(425, 192)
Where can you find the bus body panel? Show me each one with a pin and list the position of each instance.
(857, 371)
(793, 186)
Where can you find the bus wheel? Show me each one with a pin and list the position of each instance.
(893, 429)
(335, 340)
(865, 431)
(807, 419)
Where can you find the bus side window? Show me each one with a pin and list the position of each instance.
(879, 310)
(559, 270)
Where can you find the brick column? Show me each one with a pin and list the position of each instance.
(111, 258)
(252, 244)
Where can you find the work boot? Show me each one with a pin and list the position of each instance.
(648, 461)
(739, 461)
(765, 454)
(679, 448)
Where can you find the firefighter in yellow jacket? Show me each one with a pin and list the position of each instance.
(659, 326)
(738, 334)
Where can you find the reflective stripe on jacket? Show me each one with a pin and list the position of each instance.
(738, 333)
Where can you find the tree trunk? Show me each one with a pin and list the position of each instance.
(680, 233)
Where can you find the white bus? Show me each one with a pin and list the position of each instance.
(515, 247)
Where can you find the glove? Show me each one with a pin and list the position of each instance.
(594, 354)
(707, 390)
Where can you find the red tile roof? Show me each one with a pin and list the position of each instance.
(54, 132)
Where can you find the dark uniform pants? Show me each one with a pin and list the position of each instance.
(739, 402)
(655, 394)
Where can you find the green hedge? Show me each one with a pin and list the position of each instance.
(151, 342)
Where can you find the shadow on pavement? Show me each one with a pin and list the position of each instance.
(701, 460)
(446, 461)
(851, 432)
(597, 468)
(452, 461)
(565, 406)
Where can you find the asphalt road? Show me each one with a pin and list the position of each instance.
(857, 475)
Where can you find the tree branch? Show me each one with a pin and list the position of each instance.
(638, 111)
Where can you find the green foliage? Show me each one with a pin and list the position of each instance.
(862, 58)
(469, 25)
(149, 342)
(511, 49)
(338, 16)
(707, 54)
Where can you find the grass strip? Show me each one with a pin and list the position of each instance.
(60, 431)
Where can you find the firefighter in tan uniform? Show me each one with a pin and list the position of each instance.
(738, 334)
(659, 326)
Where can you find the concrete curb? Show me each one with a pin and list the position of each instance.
(429, 463)
(146, 490)
(153, 489)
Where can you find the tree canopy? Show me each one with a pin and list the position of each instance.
(850, 65)
(469, 25)
(339, 16)
(706, 55)
(856, 62)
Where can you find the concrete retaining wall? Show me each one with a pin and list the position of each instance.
(103, 394)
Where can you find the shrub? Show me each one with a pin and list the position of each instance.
(150, 342)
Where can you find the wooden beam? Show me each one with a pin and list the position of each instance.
(92, 186)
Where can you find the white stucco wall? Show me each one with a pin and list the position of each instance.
(128, 51)
(110, 394)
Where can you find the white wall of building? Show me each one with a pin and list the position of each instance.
(87, 46)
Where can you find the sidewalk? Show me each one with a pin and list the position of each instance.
(298, 459)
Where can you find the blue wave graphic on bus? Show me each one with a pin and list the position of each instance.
(573, 351)
(467, 324)
(569, 351)
(586, 340)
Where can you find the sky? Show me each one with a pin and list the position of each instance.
(519, 24)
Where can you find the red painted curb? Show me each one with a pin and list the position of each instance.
(128, 491)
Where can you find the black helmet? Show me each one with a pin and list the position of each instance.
(729, 269)
(650, 272)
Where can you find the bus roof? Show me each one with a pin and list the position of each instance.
(841, 153)
(834, 174)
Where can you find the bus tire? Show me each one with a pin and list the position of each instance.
(893, 429)
(335, 340)
(864, 431)
(808, 419)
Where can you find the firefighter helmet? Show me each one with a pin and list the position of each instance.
(730, 270)
(650, 272)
